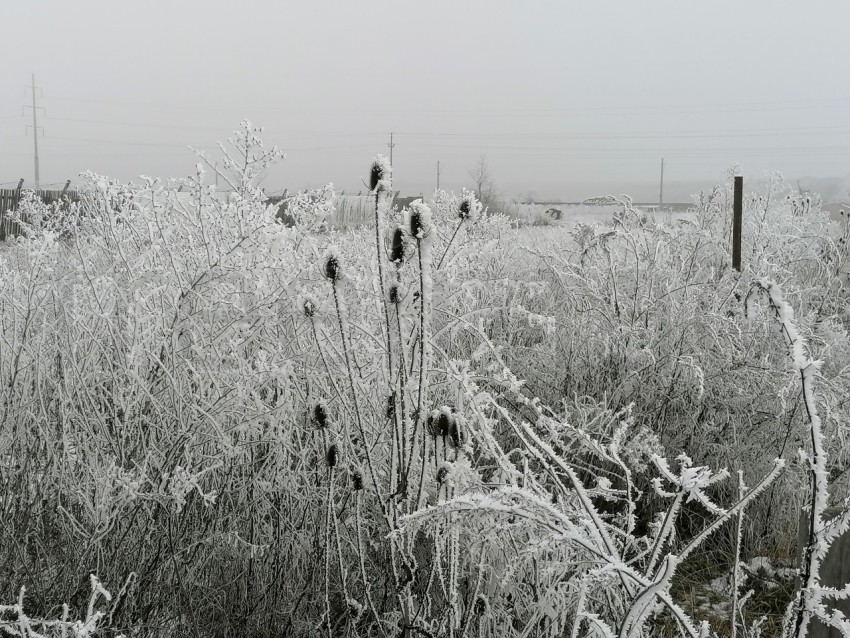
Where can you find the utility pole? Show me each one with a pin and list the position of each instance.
(391, 145)
(661, 191)
(34, 128)
(438, 174)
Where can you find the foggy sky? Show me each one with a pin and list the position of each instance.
(565, 99)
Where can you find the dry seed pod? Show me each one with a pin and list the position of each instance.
(397, 250)
(431, 423)
(442, 473)
(309, 308)
(379, 174)
(332, 456)
(395, 296)
(320, 416)
(390, 412)
(444, 422)
(374, 176)
(455, 434)
(481, 606)
(356, 480)
(355, 609)
(406, 575)
(420, 220)
(332, 269)
(417, 228)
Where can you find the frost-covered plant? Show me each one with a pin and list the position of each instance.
(266, 423)
(813, 597)
(549, 515)
(14, 620)
(651, 315)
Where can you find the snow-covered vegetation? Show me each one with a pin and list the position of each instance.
(439, 426)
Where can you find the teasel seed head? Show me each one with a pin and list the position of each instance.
(406, 575)
(309, 308)
(379, 174)
(332, 269)
(332, 456)
(455, 434)
(469, 208)
(431, 423)
(481, 606)
(420, 220)
(444, 422)
(356, 479)
(416, 227)
(320, 416)
(355, 609)
(390, 412)
(397, 250)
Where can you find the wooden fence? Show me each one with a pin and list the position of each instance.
(10, 198)
(353, 210)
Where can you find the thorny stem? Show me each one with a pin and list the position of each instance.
(361, 429)
(358, 419)
(328, 548)
(449, 245)
(398, 420)
(735, 565)
(362, 556)
(423, 367)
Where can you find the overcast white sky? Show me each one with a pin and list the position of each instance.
(563, 98)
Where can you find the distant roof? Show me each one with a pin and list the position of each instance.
(400, 202)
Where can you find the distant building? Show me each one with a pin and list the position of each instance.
(399, 203)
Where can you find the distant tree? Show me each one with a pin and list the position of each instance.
(529, 197)
(483, 180)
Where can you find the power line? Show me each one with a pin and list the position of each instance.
(842, 102)
(477, 147)
(138, 124)
(219, 129)
(814, 130)
(118, 142)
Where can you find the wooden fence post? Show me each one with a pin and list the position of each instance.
(737, 222)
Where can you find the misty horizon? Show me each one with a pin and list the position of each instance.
(564, 102)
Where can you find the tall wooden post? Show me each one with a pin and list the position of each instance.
(737, 222)
(661, 187)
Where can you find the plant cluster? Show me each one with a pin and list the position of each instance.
(263, 430)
